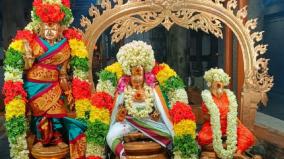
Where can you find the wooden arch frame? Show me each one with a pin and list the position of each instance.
(207, 15)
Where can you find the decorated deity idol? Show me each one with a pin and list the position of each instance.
(43, 52)
(220, 110)
(139, 87)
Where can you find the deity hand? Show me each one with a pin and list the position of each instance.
(122, 112)
(155, 116)
(28, 57)
(70, 99)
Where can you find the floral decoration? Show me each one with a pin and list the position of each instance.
(129, 104)
(215, 74)
(231, 132)
(52, 11)
(15, 95)
(136, 53)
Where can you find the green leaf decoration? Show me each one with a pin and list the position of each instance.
(186, 145)
(172, 83)
(68, 18)
(80, 63)
(15, 128)
(96, 132)
(14, 59)
(106, 75)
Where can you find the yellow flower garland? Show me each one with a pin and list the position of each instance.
(100, 114)
(78, 48)
(165, 73)
(18, 45)
(15, 108)
(82, 105)
(115, 68)
(185, 127)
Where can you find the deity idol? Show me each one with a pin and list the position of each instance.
(140, 105)
(46, 46)
(220, 113)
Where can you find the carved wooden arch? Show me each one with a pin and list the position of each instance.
(207, 15)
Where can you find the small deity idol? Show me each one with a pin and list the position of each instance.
(47, 52)
(221, 122)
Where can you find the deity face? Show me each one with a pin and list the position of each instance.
(137, 77)
(217, 88)
(50, 31)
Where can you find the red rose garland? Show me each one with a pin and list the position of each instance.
(81, 89)
(181, 111)
(12, 90)
(49, 13)
(102, 100)
(72, 34)
(25, 34)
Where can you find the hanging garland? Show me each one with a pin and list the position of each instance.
(231, 132)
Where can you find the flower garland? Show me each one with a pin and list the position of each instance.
(172, 86)
(52, 11)
(98, 123)
(15, 96)
(216, 127)
(130, 105)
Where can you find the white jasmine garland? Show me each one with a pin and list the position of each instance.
(83, 76)
(177, 95)
(129, 103)
(136, 53)
(94, 150)
(106, 86)
(20, 149)
(215, 74)
(13, 74)
(216, 127)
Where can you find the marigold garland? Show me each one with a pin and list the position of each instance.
(78, 48)
(15, 108)
(165, 73)
(100, 114)
(82, 106)
(185, 127)
(18, 45)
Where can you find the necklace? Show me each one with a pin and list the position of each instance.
(139, 109)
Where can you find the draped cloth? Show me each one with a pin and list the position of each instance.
(46, 100)
(161, 131)
(245, 139)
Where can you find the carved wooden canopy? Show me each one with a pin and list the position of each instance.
(138, 16)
